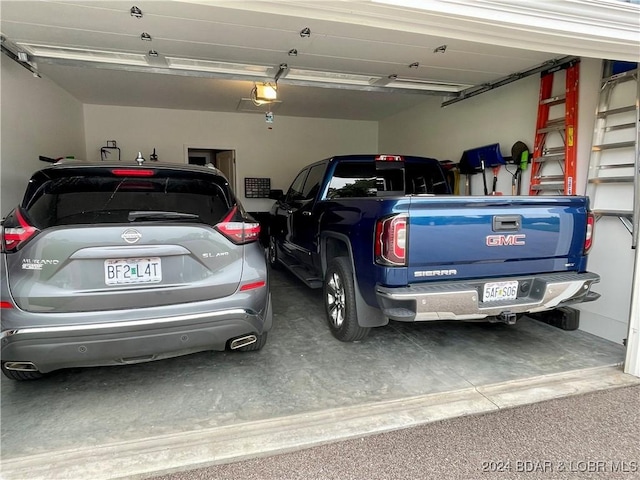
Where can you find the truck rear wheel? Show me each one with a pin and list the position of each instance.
(340, 302)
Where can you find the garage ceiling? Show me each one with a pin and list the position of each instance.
(361, 60)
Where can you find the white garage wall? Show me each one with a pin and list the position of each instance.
(38, 118)
(612, 258)
(278, 153)
(504, 116)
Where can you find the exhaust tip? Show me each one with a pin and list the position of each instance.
(21, 366)
(242, 342)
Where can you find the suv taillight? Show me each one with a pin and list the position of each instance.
(237, 230)
(588, 239)
(16, 230)
(391, 241)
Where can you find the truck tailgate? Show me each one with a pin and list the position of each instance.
(479, 237)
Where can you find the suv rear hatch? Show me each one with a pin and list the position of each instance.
(88, 235)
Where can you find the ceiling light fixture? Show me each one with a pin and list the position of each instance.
(293, 52)
(440, 49)
(136, 12)
(414, 65)
(305, 32)
(263, 93)
(153, 53)
(145, 36)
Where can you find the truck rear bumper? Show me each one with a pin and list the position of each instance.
(462, 300)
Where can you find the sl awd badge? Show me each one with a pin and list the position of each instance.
(131, 235)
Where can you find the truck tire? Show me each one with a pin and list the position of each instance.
(340, 302)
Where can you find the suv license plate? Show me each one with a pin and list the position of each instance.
(497, 291)
(124, 271)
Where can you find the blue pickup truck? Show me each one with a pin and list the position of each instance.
(386, 240)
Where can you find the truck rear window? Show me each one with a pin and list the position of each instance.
(364, 179)
(100, 200)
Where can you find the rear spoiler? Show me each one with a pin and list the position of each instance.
(58, 160)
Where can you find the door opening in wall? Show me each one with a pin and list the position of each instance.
(223, 159)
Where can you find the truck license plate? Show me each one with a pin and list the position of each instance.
(123, 271)
(497, 291)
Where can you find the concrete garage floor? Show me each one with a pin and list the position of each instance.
(133, 421)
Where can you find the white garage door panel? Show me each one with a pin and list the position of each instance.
(589, 28)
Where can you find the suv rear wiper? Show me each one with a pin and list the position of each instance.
(159, 215)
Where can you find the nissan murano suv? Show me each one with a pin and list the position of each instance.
(113, 264)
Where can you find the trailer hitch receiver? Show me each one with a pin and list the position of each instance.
(507, 317)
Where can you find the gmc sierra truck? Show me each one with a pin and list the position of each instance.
(386, 240)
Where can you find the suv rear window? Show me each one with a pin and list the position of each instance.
(104, 199)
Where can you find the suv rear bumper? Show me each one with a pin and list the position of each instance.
(462, 300)
(130, 341)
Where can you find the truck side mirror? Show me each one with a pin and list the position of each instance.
(276, 194)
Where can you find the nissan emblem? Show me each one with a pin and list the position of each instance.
(131, 235)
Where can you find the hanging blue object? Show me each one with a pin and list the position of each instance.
(475, 160)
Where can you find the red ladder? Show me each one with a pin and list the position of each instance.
(553, 166)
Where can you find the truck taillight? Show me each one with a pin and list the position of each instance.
(391, 241)
(16, 230)
(588, 239)
(237, 230)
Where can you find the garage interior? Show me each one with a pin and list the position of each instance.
(360, 77)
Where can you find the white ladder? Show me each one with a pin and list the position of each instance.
(614, 178)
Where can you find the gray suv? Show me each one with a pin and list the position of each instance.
(113, 264)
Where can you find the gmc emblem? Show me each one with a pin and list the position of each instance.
(501, 240)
